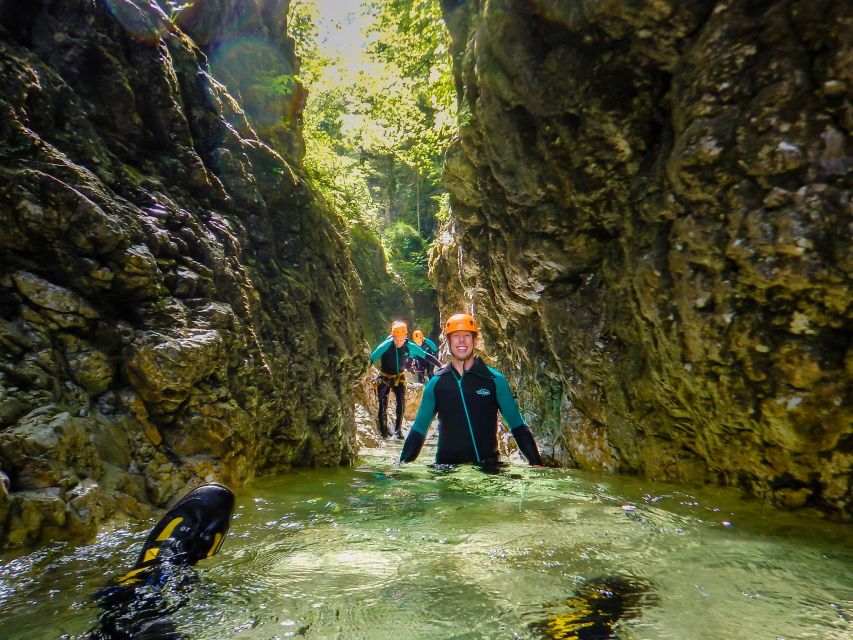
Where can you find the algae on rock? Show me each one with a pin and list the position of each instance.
(652, 211)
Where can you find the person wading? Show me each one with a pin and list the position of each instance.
(393, 355)
(467, 395)
(422, 367)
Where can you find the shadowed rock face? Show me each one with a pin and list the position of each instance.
(174, 305)
(248, 49)
(652, 212)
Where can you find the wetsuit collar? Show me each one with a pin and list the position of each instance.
(478, 368)
(442, 370)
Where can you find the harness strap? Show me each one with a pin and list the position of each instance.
(393, 379)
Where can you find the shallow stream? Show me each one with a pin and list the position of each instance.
(383, 552)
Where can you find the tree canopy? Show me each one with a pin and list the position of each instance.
(376, 128)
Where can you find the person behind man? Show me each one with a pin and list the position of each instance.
(393, 355)
(422, 367)
(467, 395)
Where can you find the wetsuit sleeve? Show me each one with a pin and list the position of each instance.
(415, 350)
(431, 345)
(412, 446)
(506, 403)
(381, 348)
(521, 432)
(526, 444)
(417, 434)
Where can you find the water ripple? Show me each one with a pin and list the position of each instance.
(419, 552)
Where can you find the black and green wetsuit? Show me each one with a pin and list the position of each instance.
(393, 361)
(422, 367)
(467, 407)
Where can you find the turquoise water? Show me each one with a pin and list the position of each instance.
(383, 552)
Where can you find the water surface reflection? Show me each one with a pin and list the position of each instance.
(382, 552)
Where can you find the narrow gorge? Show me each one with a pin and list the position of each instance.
(650, 216)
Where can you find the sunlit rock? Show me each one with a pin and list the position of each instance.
(174, 306)
(651, 218)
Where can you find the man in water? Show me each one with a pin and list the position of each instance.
(393, 356)
(467, 395)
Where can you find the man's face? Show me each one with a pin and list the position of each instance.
(399, 340)
(462, 344)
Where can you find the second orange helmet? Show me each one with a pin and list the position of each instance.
(399, 329)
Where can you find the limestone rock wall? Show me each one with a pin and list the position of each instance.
(651, 206)
(248, 49)
(383, 293)
(174, 305)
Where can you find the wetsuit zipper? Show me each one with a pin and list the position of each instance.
(467, 417)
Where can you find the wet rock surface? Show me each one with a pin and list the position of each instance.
(367, 407)
(175, 307)
(652, 218)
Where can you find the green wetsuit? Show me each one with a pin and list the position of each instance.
(467, 408)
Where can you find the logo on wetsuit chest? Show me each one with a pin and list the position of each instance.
(483, 392)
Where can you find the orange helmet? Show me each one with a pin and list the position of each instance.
(399, 329)
(460, 322)
(418, 336)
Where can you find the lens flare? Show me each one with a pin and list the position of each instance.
(142, 20)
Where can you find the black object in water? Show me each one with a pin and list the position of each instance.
(139, 604)
(596, 608)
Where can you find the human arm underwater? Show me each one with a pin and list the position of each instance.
(521, 432)
(417, 434)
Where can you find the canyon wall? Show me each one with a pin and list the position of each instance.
(652, 219)
(175, 305)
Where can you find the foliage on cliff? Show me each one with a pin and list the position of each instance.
(375, 140)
